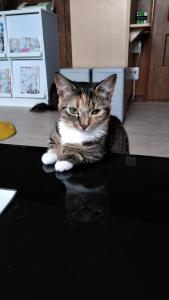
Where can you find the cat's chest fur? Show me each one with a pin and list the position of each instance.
(74, 136)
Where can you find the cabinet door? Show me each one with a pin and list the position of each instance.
(158, 84)
(25, 36)
(29, 79)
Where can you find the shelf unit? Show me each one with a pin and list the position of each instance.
(137, 29)
(29, 55)
(147, 25)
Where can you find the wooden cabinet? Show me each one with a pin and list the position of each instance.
(100, 33)
(154, 59)
(158, 78)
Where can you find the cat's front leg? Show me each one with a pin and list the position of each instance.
(73, 155)
(50, 157)
(63, 165)
(68, 159)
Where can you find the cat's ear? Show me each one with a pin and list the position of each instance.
(106, 87)
(63, 85)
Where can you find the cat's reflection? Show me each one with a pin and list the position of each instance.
(86, 198)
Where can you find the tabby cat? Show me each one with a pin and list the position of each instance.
(85, 131)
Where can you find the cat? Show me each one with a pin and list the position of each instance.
(85, 132)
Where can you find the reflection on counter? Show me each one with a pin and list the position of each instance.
(86, 198)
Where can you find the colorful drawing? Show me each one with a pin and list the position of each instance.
(5, 81)
(24, 44)
(30, 80)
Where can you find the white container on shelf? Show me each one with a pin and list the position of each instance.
(31, 48)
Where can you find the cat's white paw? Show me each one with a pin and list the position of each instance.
(49, 158)
(63, 165)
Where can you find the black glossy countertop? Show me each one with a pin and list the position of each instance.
(97, 232)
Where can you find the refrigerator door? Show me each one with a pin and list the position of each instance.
(117, 105)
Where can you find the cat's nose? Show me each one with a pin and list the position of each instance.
(84, 126)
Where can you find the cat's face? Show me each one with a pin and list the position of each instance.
(84, 106)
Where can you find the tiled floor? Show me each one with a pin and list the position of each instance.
(147, 125)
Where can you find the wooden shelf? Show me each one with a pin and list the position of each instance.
(137, 29)
(140, 25)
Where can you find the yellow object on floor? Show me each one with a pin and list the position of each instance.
(7, 130)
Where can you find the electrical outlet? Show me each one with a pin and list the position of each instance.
(133, 73)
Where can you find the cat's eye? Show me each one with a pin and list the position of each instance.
(96, 112)
(73, 110)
